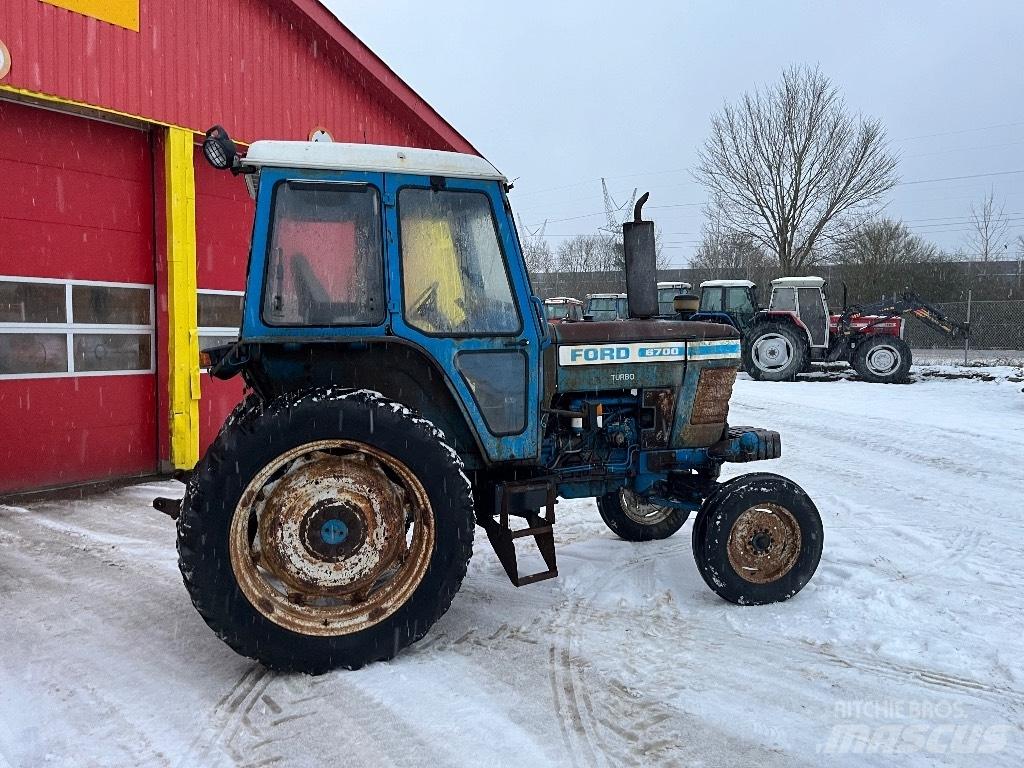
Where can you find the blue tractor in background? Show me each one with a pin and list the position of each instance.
(405, 387)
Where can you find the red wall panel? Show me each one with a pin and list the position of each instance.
(77, 195)
(71, 430)
(77, 204)
(224, 214)
(262, 68)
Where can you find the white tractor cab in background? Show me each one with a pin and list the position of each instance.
(667, 293)
(558, 309)
(606, 306)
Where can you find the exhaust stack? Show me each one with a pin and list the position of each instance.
(641, 264)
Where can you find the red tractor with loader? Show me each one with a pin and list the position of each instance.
(797, 329)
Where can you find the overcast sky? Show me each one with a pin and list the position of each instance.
(559, 94)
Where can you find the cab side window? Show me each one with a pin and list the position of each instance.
(326, 262)
(454, 280)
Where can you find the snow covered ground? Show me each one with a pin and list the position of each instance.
(909, 638)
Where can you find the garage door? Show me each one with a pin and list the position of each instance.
(77, 315)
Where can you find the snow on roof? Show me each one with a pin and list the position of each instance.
(606, 295)
(674, 284)
(727, 284)
(328, 155)
(798, 282)
(562, 300)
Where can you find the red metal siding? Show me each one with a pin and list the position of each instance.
(224, 213)
(77, 203)
(77, 194)
(263, 69)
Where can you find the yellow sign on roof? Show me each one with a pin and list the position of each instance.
(123, 13)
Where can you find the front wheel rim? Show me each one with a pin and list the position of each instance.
(331, 538)
(640, 512)
(772, 352)
(764, 543)
(883, 360)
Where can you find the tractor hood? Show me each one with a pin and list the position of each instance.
(637, 353)
(641, 330)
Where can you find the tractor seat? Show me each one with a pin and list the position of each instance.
(640, 330)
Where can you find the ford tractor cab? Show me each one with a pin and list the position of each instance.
(404, 386)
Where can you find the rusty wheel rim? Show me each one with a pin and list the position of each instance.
(764, 543)
(634, 507)
(331, 538)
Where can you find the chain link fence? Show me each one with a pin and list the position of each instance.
(996, 333)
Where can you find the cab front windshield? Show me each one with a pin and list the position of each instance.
(610, 308)
(666, 300)
(556, 311)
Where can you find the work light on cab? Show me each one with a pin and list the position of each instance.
(219, 149)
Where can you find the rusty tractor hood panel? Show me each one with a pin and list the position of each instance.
(640, 330)
(638, 354)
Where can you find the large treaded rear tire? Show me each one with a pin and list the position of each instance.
(255, 435)
(782, 336)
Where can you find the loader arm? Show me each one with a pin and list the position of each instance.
(909, 303)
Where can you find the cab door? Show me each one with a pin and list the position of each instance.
(459, 290)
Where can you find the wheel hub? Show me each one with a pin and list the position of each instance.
(335, 525)
(771, 352)
(882, 360)
(639, 511)
(764, 543)
(332, 531)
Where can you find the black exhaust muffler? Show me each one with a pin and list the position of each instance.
(641, 264)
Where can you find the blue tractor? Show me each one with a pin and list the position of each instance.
(404, 388)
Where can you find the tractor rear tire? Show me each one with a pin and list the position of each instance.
(882, 360)
(757, 539)
(630, 518)
(363, 520)
(775, 352)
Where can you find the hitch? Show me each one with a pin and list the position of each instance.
(170, 507)
(523, 499)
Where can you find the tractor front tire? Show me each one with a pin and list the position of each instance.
(326, 528)
(757, 539)
(775, 352)
(882, 359)
(631, 518)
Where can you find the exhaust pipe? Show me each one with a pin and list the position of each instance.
(641, 264)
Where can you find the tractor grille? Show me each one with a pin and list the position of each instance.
(711, 403)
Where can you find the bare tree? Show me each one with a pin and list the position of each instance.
(791, 168)
(988, 228)
(885, 242)
(536, 250)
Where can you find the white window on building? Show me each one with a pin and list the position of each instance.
(220, 317)
(53, 328)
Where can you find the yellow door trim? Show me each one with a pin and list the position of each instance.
(183, 331)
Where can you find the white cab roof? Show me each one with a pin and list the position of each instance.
(798, 282)
(674, 284)
(727, 284)
(562, 300)
(606, 295)
(327, 155)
